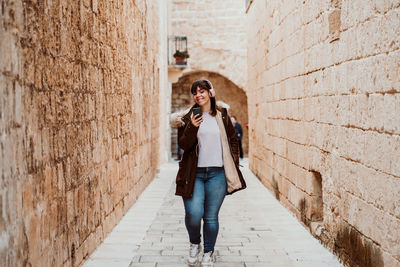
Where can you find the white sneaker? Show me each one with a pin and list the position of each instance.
(194, 252)
(208, 259)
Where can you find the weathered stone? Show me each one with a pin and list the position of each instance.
(327, 109)
(67, 120)
(216, 36)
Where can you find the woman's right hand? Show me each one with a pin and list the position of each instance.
(197, 120)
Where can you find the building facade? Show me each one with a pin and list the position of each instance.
(81, 93)
(324, 115)
(217, 45)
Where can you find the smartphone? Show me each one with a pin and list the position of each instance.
(197, 110)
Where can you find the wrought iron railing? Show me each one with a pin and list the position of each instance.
(177, 50)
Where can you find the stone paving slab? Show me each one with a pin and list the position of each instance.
(255, 230)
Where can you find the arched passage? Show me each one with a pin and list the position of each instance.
(227, 92)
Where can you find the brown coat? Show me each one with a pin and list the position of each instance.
(187, 140)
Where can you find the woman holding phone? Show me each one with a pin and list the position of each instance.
(209, 168)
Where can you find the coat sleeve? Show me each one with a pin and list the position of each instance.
(233, 141)
(187, 136)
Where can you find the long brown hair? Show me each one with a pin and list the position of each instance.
(204, 84)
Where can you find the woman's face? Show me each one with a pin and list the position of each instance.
(201, 97)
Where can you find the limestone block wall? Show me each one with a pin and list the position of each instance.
(324, 111)
(217, 38)
(79, 122)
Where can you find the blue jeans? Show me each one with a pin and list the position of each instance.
(208, 195)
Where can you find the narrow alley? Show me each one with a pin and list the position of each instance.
(255, 231)
(307, 92)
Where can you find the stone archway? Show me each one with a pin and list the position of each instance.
(227, 92)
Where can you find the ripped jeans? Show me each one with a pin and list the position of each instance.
(209, 193)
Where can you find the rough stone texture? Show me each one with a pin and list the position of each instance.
(79, 123)
(324, 94)
(217, 38)
(226, 91)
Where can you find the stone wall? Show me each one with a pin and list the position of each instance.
(324, 94)
(79, 123)
(217, 38)
(226, 91)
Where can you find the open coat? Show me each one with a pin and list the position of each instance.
(187, 140)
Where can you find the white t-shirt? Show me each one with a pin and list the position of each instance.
(210, 145)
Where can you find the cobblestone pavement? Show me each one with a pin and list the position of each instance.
(255, 231)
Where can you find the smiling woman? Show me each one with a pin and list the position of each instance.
(208, 170)
(204, 96)
(227, 92)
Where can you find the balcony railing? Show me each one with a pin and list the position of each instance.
(177, 50)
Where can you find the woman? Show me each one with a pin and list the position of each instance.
(209, 168)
